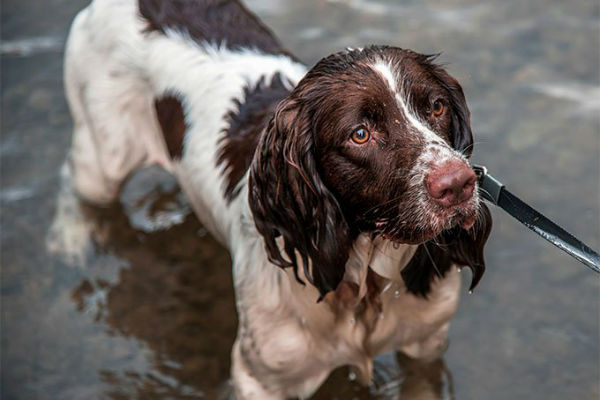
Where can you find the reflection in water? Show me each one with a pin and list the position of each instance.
(395, 377)
(174, 295)
(426, 381)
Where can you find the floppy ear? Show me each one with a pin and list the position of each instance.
(461, 136)
(288, 199)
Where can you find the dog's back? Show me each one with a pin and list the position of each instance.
(175, 83)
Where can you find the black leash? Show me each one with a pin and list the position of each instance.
(495, 192)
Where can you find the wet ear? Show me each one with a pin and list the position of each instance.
(288, 199)
(457, 246)
(461, 135)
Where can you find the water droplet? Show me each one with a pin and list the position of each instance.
(470, 292)
(352, 321)
(396, 245)
(397, 293)
(303, 321)
(352, 376)
(381, 315)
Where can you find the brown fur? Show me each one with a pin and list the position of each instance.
(245, 125)
(171, 118)
(224, 22)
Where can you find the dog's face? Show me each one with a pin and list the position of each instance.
(388, 126)
(372, 140)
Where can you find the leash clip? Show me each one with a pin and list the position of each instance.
(489, 187)
(480, 171)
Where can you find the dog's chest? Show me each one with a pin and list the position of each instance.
(391, 317)
(282, 327)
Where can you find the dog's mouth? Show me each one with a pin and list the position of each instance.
(432, 199)
(463, 215)
(422, 221)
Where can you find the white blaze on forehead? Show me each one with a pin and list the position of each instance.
(389, 76)
(385, 71)
(414, 120)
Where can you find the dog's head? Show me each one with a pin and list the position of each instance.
(372, 140)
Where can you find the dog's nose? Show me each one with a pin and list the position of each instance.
(451, 184)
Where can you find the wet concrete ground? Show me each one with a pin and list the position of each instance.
(135, 301)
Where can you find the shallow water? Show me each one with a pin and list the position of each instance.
(136, 301)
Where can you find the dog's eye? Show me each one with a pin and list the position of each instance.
(361, 136)
(437, 108)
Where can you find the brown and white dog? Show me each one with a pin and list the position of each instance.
(342, 191)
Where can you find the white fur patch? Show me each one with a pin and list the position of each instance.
(212, 79)
(386, 72)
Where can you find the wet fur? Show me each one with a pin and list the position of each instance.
(259, 146)
(304, 189)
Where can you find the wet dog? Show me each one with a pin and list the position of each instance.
(342, 191)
